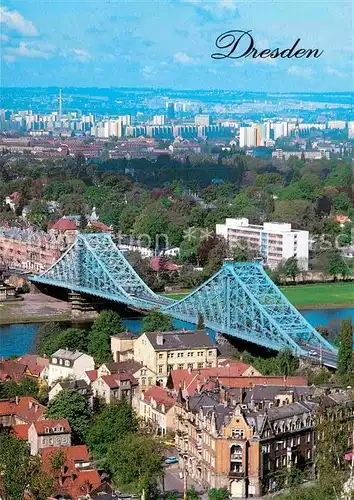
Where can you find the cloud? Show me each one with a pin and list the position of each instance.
(79, 54)
(334, 72)
(32, 50)
(8, 58)
(148, 72)
(301, 72)
(16, 22)
(266, 60)
(210, 6)
(183, 58)
(4, 38)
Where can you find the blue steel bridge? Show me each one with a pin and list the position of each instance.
(240, 300)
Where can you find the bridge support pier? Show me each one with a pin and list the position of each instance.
(83, 307)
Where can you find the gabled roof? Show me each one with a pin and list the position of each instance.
(160, 395)
(129, 366)
(78, 475)
(92, 375)
(52, 426)
(67, 354)
(34, 363)
(64, 224)
(114, 381)
(12, 370)
(20, 431)
(25, 408)
(181, 339)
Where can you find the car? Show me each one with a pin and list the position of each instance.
(313, 353)
(171, 460)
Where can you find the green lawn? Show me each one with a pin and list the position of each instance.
(310, 296)
(320, 295)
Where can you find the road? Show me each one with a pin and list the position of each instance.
(174, 483)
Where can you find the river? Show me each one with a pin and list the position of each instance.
(17, 339)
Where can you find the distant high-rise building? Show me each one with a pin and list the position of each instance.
(60, 105)
(339, 124)
(350, 130)
(248, 136)
(202, 120)
(170, 110)
(158, 120)
(126, 120)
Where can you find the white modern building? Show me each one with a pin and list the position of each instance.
(66, 364)
(274, 241)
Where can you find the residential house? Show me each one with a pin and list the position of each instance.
(65, 364)
(162, 352)
(115, 387)
(238, 366)
(49, 434)
(156, 408)
(81, 386)
(20, 410)
(36, 366)
(145, 377)
(12, 370)
(78, 475)
(122, 346)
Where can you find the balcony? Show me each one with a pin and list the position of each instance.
(236, 457)
(236, 475)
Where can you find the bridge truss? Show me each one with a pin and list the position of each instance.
(239, 300)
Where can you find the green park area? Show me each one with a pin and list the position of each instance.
(319, 295)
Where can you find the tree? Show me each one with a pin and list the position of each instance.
(21, 473)
(25, 387)
(291, 268)
(219, 494)
(74, 407)
(336, 264)
(200, 324)
(71, 338)
(136, 461)
(45, 334)
(345, 354)
(99, 339)
(111, 423)
(192, 494)
(155, 321)
(38, 214)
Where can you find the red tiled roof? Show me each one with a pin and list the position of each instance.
(64, 224)
(237, 366)
(74, 481)
(92, 375)
(192, 381)
(42, 425)
(100, 226)
(26, 409)
(156, 265)
(160, 395)
(12, 370)
(20, 431)
(114, 380)
(34, 363)
(15, 196)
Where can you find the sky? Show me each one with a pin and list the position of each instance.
(168, 44)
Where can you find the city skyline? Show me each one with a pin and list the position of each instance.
(169, 45)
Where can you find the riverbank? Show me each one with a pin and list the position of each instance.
(35, 308)
(311, 296)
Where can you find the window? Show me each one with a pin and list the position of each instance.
(169, 368)
(308, 454)
(54, 361)
(309, 437)
(210, 353)
(170, 354)
(160, 368)
(67, 362)
(283, 460)
(277, 462)
(150, 381)
(180, 355)
(180, 367)
(190, 366)
(237, 433)
(200, 365)
(60, 361)
(160, 355)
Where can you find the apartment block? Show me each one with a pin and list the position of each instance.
(162, 352)
(274, 242)
(223, 442)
